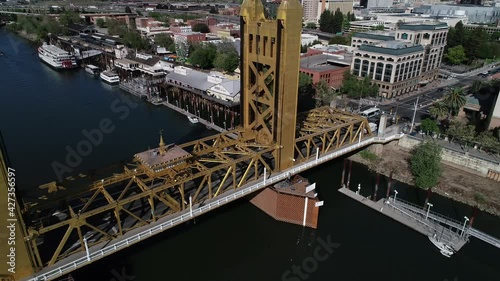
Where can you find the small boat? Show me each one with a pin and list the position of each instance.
(193, 120)
(445, 250)
(110, 77)
(92, 69)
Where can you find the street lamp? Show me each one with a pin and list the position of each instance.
(224, 125)
(465, 222)
(429, 205)
(359, 188)
(86, 248)
(395, 195)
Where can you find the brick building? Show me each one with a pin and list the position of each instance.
(327, 67)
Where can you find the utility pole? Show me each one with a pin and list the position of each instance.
(414, 114)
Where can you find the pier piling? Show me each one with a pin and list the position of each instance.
(343, 174)
(349, 174)
(374, 196)
(389, 186)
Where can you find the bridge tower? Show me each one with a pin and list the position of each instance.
(17, 259)
(270, 58)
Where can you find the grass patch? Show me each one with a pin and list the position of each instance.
(479, 197)
(368, 155)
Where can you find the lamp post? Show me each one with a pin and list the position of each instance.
(359, 189)
(465, 222)
(429, 205)
(86, 248)
(395, 195)
(225, 125)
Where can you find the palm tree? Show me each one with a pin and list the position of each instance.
(438, 111)
(455, 100)
(476, 87)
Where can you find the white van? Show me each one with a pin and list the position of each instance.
(371, 112)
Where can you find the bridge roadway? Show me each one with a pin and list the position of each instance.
(449, 222)
(106, 248)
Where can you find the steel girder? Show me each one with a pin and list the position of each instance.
(118, 204)
(326, 129)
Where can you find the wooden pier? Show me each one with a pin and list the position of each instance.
(412, 220)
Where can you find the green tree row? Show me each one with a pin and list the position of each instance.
(465, 46)
(354, 88)
(42, 26)
(222, 56)
(335, 22)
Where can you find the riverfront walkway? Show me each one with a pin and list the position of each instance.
(106, 248)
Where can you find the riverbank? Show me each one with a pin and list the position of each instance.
(457, 183)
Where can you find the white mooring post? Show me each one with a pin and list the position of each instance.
(305, 213)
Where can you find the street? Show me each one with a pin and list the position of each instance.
(405, 106)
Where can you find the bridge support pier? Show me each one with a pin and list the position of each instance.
(377, 149)
(288, 202)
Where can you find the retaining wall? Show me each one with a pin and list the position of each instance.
(487, 168)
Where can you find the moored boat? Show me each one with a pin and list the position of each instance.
(193, 119)
(445, 250)
(57, 57)
(110, 77)
(92, 69)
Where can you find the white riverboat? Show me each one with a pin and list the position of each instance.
(193, 119)
(92, 69)
(57, 57)
(110, 77)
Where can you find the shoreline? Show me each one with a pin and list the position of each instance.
(452, 183)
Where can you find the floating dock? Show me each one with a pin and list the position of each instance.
(415, 221)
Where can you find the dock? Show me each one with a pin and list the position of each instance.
(415, 221)
(188, 114)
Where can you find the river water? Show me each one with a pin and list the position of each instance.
(44, 114)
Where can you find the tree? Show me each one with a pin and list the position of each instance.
(488, 140)
(378, 27)
(425, 164)
(305, 84)
(438, 111)
(324, 94)
(429, 126)
(456, 55)
(228, 61)
(340, 40)
(326, 21)
(311, 25)
(213, 10)
(201, 27)
(461, 131)
(455, 100)
(203, 55)
(355, 88)
(128, 10)
(338, 20)
(68, 18)
(164, 40)
(100, 23)
(135, 40)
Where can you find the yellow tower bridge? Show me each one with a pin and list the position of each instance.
(161, 186)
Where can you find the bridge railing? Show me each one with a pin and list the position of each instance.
(199, 210)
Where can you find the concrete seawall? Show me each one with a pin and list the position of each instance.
(483, 166)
